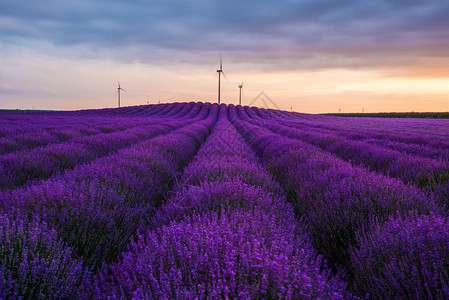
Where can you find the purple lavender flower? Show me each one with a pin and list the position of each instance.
(406, 257)
(240, 254)
(35, 263)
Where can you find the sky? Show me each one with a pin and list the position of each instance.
(310, 56)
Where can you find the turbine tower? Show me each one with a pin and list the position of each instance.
(118, 92)
(220, 71)
(240, 95)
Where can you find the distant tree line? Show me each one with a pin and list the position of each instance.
(26, 110)
(423, 115)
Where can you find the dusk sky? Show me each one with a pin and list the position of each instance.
(315, 55)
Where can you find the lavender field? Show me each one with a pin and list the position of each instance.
(208, 201)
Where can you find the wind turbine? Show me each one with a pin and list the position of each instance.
(240, 95)
(118, 92)
(220, 71)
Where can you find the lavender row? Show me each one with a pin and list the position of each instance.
(40, 163)
(418, 150)
(34, 131)
(339, 201)
(227, 230)
(50, 273)
(417, 129)
(225, 159)
(421, 132)
(221, 235)
(160, 111)
(423, 172)
(403, 258)
(95, 208)
(125, 111)
(35, 263)
(19, 123)
(12, 124)
(38, 137)
(147, 110)
(135, 169)
(16, 169)
(407, 142)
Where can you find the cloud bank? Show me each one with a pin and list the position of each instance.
(311, 54)
(312, 33)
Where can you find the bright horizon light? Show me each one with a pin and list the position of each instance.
(312, 57)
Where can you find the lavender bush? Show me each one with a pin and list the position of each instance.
(207, 201)
(337, 199)
(35, 263)
(406, 257)
(242, 255)
(40, 163)
(215, 197)
(98, 206)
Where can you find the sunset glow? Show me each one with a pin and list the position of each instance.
(311, 56)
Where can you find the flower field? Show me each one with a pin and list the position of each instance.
(208, 201)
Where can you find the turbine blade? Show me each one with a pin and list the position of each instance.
(225, 76)
(221, 63)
